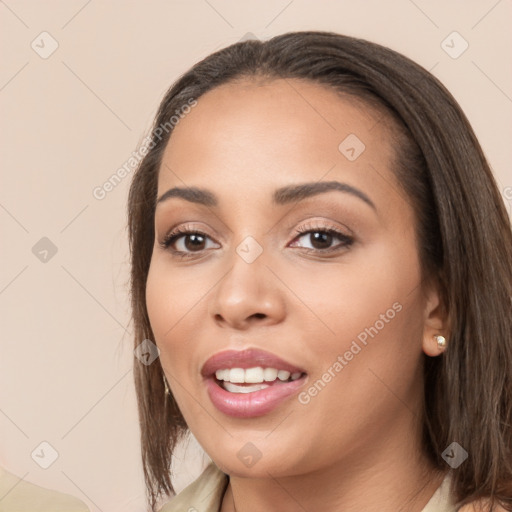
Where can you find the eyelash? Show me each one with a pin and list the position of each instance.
(173, 236)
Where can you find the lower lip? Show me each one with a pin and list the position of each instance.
(251, 405)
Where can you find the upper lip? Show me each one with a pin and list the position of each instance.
(248, 358)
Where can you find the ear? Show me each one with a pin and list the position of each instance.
(435, 320)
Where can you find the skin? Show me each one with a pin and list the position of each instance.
(362, 431)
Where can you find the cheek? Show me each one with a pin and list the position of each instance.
(364, 325)
(175, 305)
(364, 290)
(171, 300)
(173, 293)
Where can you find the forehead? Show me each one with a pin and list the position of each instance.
(282, 130)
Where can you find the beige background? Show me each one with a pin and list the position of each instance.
(70, 120)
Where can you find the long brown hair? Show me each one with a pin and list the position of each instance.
(463, 232)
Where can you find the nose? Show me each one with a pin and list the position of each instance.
(248, 295)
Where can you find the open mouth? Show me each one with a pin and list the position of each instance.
(250, 380)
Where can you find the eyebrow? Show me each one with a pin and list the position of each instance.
(281, 196)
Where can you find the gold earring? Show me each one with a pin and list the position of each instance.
(166, 386)
(441, 341)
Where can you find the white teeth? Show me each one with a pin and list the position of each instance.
(270, 374)
(233, 388)
(236, 375)
(283, 375)
(255, 375)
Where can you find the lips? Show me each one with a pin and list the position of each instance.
(245, 400)
(246, 359)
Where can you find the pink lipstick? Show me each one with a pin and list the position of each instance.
(250, 383)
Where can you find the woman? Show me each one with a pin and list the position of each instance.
(322, 257)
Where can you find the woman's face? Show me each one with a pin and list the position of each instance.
(306, 263)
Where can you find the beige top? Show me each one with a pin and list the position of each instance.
(206, 492)
(16, 495)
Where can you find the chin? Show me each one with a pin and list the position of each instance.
(248, 463)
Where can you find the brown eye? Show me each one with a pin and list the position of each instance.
(322, 239)
(194, 242)
(185, 242)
